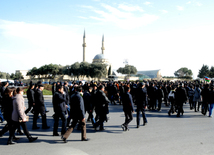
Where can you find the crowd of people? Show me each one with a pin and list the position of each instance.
(72, 102)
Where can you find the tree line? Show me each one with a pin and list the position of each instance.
(77, 69)
(205, 71)
(187, 73)
(17, 75)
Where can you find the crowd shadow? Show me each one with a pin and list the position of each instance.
(110, 129)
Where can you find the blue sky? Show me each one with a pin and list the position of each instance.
(164, 35)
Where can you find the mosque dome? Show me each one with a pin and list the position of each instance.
(99, 57)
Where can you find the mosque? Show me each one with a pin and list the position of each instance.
(99, 58)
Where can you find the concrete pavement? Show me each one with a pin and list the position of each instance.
(191, 134)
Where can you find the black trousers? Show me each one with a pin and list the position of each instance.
(56, 122)
(35, 117)
(71, 128)
(143, 115)
(91, 116)
(30, 106)
(191, 102)
(172, 109)
(153, 104)
(7, 127)
(15, 125)
(102, 118)
(128, 118)
(180, 108)
(159, 103)
(204, 108)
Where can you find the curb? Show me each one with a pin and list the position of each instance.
(45, 96)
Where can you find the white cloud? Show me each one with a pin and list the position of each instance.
(41, 44)
(180, 8)
(198, 4)
(147, 3)
(125, 20)
(189, 2)
(87, 6)
(130, 8)
(82, 17)
(37, 43)
(164, 11)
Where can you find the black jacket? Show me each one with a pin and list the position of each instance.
(211, 97)
(2, 90)
(180, 95)
(67, 97)
(159, 94)
(53, 89)
(87, 101)
(39, 100)
(141, 97)
(7, 106)
(127, 102)
(205, 94)
(59, 102)
(77, 106)
(101, 102)
(30, 96)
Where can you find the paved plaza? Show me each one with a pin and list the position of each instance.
(191, 134)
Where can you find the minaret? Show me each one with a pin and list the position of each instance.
(103, 48)
(84, 45)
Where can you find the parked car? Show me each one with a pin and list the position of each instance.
(45, 82)
(10, 82)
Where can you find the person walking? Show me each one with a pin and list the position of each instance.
(30, 97)
(19, 117)
(211, 101)
(88, 104)
(2, 90)
(191, 95)
(171, 98)
(39, 109)
(60, 109)
(141, 101)
(180, 98)
(77, 113)
(7, 106)
(160, 96)
(205, 97)
(102, 102)
(197, 98)
(128, 108)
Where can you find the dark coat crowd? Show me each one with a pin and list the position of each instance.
(72, 102)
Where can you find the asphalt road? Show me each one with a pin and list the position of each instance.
(191, 134)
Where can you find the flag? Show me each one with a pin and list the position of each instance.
(207, 79)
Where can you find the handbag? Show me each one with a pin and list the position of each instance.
(20, 119)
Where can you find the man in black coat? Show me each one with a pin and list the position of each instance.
(67, 102)
(165, 91)
(60, 109)
(2, 90)
(77, 114)
(152, 96)
(141, 101)
(39, 108)
(30, 97)
(102, 102)
(128, 108)
(88, 104)
(159, 95)
(180, 98)
(54, 89)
